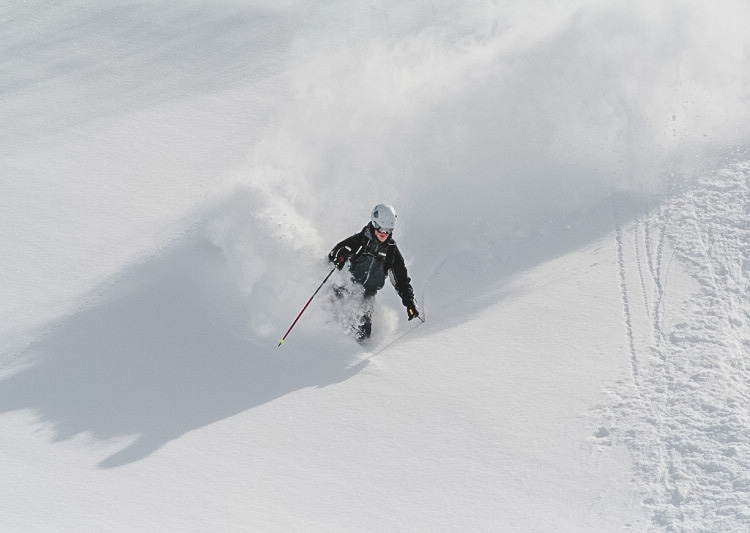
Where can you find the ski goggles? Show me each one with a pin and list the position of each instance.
(383, 230)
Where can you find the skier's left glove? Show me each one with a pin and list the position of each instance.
(412, 310)
(341, 256)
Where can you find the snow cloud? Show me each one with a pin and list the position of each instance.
(491, 119)
(425, 104)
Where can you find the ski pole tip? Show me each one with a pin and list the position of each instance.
(280, 343)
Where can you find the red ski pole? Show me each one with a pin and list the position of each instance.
(303, 309)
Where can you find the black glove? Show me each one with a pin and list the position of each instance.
(412, 310)
(341, 255)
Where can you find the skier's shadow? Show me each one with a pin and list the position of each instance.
(156, 358)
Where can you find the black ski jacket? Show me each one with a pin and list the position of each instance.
(371, 261)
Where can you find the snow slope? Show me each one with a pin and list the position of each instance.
(685, 414)
(572, 186)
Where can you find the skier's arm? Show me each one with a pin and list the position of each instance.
(343, 250)
(402, 283)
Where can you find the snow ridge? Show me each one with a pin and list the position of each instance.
(684, 416)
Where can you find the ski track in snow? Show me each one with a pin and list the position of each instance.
(684, 415)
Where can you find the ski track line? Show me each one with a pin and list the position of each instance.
(649, 454)
(686, 416)
(652, 456)
(637, 256)
(655, 254)
(619, 247)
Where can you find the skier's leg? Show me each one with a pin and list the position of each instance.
(365, 322)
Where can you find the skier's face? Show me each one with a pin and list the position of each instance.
(382, 235)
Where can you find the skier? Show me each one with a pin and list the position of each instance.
(372, 255)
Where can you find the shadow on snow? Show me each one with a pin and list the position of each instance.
(159, 359)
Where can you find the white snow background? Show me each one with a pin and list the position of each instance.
(573, 189)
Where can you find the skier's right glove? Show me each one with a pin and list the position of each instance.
(412, 310)
(341, 255)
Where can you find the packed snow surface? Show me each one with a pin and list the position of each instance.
(573, 186)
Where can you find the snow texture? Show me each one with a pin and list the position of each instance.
(684, 417)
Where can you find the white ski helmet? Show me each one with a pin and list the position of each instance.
(383, 217)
